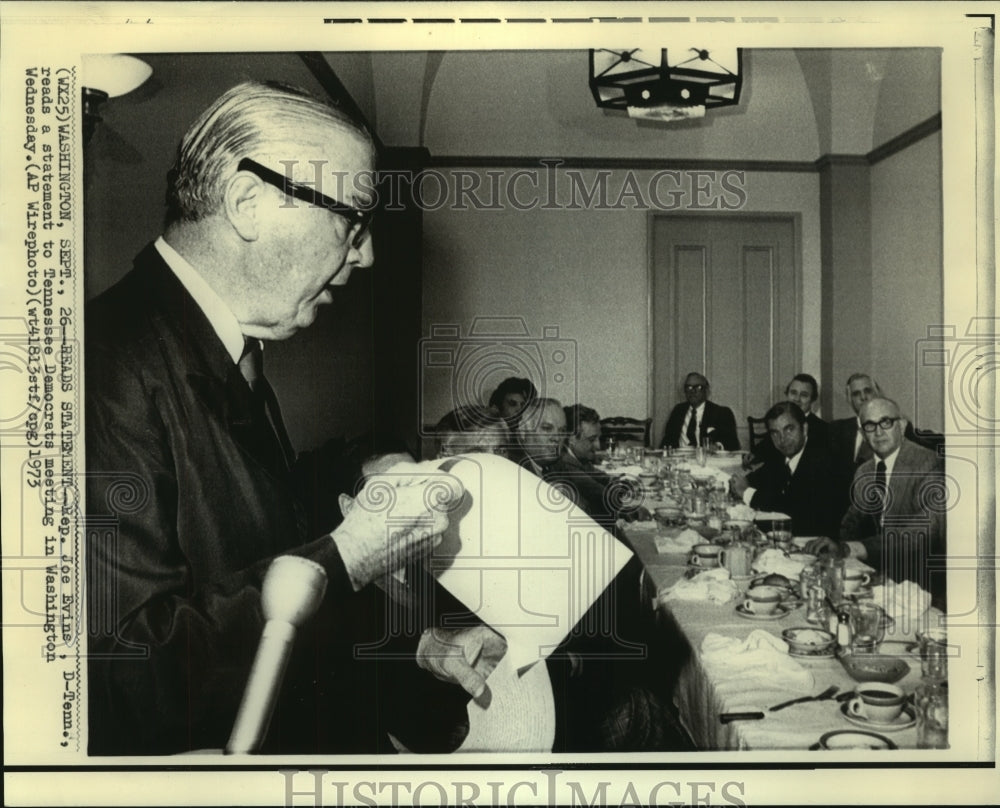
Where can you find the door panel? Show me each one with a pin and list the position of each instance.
(724, 301)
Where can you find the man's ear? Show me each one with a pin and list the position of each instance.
(241, 203)
(346, 503)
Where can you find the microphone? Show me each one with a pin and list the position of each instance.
(293, 589)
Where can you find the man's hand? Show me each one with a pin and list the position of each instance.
(465, 656)
(738, 484)
(397, 517)
(824, 545)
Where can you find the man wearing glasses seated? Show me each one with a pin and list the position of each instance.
(696, 419)
(896, 519)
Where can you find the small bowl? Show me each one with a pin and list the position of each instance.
(668, 517)
(854, 739)
(874, 667)
(704, 530)
(809, 641)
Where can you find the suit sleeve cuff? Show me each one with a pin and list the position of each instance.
(856, 550)
(748, 495)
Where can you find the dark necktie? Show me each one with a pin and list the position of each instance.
(786, 478)
(267, 413)
(692, 430)
(881, 494)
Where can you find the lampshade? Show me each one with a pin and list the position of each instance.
(669, 83)
(114, 73)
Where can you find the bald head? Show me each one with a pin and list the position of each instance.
(882, 425)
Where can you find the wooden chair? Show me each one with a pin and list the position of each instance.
(757, 432)
(626, 429)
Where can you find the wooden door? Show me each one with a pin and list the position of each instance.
(724, 301)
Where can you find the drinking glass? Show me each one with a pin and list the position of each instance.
(931, 703)
(933, 645)
(868, 622)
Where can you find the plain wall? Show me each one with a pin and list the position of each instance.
(907, 278)
(584, 272)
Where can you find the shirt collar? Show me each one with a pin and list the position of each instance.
(219, 315)
(889, 461)
(793, 461)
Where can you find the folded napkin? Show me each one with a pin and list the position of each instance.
(761, 656)
(775, 560)
(741, 512)
(681, 543)
(855, 566)
(713, 585)
(903, 602)
(699, 471)
(640, 524)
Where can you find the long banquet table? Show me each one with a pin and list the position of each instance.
(701, 695)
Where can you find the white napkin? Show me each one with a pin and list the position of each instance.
(856, 566)
(741, 512)
(902, 602)
(775, 560)
(760, 656)
(699, 471)
(681, 543)
(713, 585)
(640, 524)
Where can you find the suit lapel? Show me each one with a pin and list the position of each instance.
(196, 350)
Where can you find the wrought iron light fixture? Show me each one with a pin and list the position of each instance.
(668, 84)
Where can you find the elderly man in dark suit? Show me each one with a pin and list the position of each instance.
(191, 485)
(896, 519)
(697, 418)
(797, 479)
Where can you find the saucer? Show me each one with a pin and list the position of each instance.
(905, 720)
(777, 614)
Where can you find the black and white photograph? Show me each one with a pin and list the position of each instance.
(517, 403)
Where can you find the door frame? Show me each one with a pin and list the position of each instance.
(652, 217)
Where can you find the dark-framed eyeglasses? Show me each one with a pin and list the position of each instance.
(886, 423)
(356, 218)
(695, 387)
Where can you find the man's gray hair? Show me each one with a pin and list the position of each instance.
(252, 119)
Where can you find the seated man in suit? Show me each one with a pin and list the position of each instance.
(896, 519)
(697, 418)
(846, 437)
(471, 429)
(802, 390)
(797, 480)
(540, 435)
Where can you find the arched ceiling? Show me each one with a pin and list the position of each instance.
(797, 104)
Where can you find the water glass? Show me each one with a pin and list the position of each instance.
(931, 703)
(868, 621)
(933, 645)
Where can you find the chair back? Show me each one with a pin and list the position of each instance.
(622, 428)
(758, 431)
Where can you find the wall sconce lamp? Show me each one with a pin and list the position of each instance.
(108, 75)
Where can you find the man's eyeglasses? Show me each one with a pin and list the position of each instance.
(695, 387)
(356, 218)
(886, 423)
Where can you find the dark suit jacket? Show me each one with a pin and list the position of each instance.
(811, 496)
(184, 517)
(915, 509)
(717, 422)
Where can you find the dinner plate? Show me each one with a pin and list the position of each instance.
(906, 719)
(853, 739)
(777, 614)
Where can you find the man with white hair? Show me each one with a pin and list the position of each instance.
(896, 519)
(189, 488)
